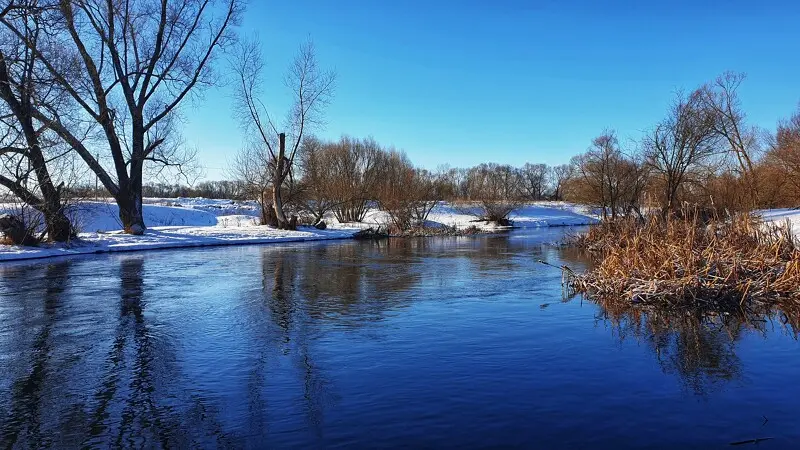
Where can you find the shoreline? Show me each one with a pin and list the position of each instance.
(88, 247)
(83, 247)
(207, 223)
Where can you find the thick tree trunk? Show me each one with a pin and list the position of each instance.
(130, 192)
(59, 228)
(277, 204)
(130, 211)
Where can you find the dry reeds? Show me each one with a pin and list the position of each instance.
(691, 260)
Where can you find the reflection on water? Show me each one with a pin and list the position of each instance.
(698, 346)
(422, 342)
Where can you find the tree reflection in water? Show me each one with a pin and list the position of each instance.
(28, 404)
(697, 346)
(126, 351)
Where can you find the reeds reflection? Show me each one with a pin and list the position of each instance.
(698, 346)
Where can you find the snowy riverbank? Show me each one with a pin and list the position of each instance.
(198, 222)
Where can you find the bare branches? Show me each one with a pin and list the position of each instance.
(680, 143)
(311, 90)
(722, 100)
(129, 65)
(608, 178)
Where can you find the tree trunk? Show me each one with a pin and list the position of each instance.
(130, 192)
(277, 204)
(281, 172)
(59, 228)
(130, 210)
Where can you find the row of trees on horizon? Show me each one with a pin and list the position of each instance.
(91, 90)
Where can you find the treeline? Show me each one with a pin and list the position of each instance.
(349, 176)
(703, 153)
(223, 189)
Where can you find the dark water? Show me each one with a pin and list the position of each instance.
(424, 343)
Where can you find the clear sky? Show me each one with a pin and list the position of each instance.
(510, 81)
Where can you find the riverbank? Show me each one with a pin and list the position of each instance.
(157, 238)
(721, 264)
(198, 222)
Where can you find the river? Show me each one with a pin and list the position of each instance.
(431, 342)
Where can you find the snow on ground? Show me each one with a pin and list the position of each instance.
(540, 214)
(171, 237)
(781, 216)
(100, 216)
(212, 206)
(196, 222)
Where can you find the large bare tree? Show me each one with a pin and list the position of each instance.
(128, 64)
(25, 152)
(278, 143)
(534, 180)
(558, 177)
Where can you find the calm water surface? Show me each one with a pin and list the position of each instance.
(444, 342)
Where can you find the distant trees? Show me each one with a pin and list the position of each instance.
(224, 189)
(268, 160)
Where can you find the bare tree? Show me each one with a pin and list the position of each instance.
(607, 178)
(25, 153)
(782, 161)
(319, 176)
(250, 166)
(497, 187)
(356, 165)
(533, 179)
(407, 194)
(558, 176)
(129, 65)
(312, 90)
(679, 143)
(722, 100)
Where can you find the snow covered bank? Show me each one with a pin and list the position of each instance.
(539, 214)
(177, 223)
(781, 216)
(170, 237)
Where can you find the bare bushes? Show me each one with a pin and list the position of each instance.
(340, 177)
(608, 178)
(406, 194)
(497, 188)
(694, 260)
(16, 231)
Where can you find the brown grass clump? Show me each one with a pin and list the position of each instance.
(692, 260)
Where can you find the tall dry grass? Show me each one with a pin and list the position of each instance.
(691, 260)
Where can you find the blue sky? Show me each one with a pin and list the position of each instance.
(465, 82)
